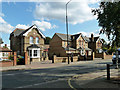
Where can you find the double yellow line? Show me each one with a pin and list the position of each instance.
(69, 83)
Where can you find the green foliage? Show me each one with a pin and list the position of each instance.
(47, 40)
(20, 60)
(111, 50)
(109, 19)
(11, 57)
(5, 47)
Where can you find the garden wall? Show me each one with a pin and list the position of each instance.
(6, 63)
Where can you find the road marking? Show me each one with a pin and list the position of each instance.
(69, 83)
(38, 84)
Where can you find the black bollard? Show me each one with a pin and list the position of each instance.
(108, 72)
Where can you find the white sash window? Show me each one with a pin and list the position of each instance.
(34, 52)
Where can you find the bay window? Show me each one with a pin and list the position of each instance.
(34, 52)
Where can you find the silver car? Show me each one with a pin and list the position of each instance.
(114, 57)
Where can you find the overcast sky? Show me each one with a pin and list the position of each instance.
(48, 16)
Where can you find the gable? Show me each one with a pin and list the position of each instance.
(25, 33)
(99, 40)
(63, 36)
(80, 37)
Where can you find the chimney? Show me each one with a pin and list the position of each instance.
(92, 37)
(5, 45)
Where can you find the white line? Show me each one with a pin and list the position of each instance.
(39, 84)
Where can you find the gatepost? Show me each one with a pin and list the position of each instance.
(15, 59)
(26, 58)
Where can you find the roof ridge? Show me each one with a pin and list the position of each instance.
(63, 34)
(18, 29)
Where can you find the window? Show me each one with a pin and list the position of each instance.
(5, 54)
(79, 43)
(30, 52)
(31, 40)
(69, 44)
(82, 43)
(64, 44)
(35, 52)
(37, 40)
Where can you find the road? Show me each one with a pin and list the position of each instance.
(50, 77)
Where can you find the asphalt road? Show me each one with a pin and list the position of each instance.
(50, 77)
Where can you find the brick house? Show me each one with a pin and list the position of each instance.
(30, 40)
(78, 44)
(95, 44)
(4, 52)
(1, 41)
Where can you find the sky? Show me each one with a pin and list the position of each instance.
(49, 17)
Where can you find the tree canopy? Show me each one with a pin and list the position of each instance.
(108, 16)
(47, 40)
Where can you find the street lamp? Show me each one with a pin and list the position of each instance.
(67, 30)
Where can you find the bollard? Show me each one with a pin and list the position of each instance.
(108, 72)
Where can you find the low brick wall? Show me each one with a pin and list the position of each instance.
(65, 59)
(59, 59)
(103, 56)
(99, 55)
(108, 57)
(6, 63)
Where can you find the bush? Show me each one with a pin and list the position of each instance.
(11, 57)
(20, 60)
(111, 50)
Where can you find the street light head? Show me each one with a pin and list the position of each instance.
(68, 2)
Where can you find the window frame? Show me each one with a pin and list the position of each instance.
(34, 54)
(31, 40)
(37, 40)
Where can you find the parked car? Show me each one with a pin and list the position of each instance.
(1, 59)
(114, 57)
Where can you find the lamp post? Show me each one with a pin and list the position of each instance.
(67, 30)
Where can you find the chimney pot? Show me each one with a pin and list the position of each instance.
(92, 37)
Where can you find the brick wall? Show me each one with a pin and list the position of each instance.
(65, 59)
(6, 63)
(103, 56)
(99, 55)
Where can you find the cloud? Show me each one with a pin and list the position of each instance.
(43, 25)
(5, 27)
(96, 33)
(2, 21)
(78, 12)
(1, 14)
(88, 34)
(22, 26)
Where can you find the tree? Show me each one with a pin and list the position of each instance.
(109, 19)
(47, 40)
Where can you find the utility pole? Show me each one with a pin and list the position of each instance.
(67, 31)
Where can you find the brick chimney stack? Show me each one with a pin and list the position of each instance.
(92, 37)
(5, 45)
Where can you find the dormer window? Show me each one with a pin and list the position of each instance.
(31, 40)
(37, 40)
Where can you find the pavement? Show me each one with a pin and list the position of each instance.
(38, 65)
(96, 80)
